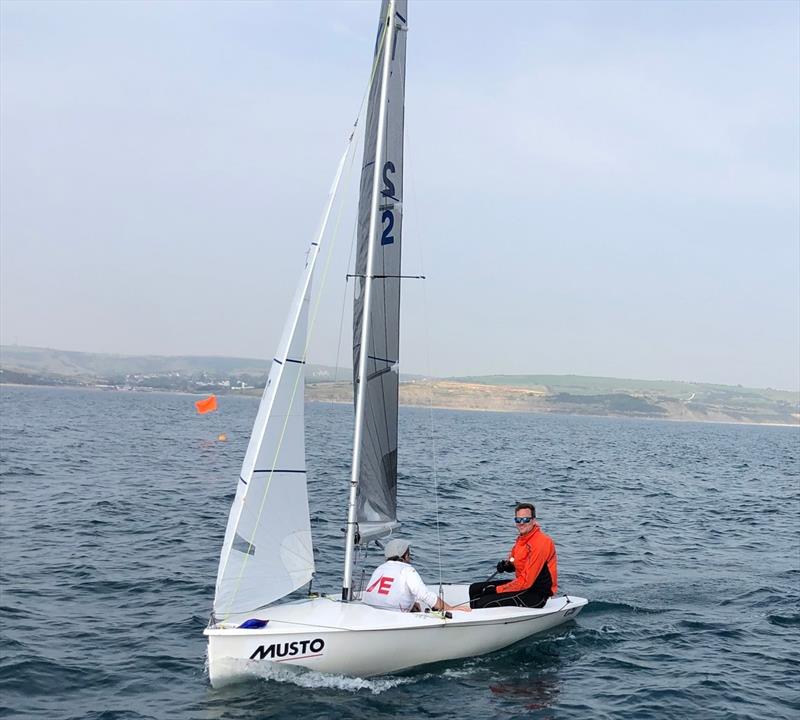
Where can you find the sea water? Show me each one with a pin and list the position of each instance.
(684, 536)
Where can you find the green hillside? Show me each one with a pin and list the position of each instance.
(571, 394)
(590, 385)
(88, 366)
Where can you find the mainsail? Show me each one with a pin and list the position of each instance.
(267, 552)
(377, 478)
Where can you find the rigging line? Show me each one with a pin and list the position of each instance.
(433, 441)
(413, 189)
(384, 292)
(365, 97)
(344, 301)
(311, 324)
(350, 255)
(309, 333)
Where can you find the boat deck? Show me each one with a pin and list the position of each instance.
(329, 613)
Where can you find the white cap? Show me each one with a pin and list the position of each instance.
(395, 548)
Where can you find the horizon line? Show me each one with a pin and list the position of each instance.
(424, 375)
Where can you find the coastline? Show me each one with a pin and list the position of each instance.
(255, 394)
(568, 414)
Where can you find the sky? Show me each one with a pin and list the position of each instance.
(592, 188)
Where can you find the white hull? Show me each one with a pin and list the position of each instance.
(351, 639)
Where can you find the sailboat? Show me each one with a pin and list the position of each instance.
(267, 553)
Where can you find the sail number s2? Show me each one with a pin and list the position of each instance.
(387, 218)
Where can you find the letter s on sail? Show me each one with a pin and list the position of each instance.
(388, 185)
(388, 216)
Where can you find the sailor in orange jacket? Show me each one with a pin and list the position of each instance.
(533, 559)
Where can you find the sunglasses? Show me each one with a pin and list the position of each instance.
(519, 520)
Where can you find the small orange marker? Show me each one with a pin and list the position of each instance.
(206, 405)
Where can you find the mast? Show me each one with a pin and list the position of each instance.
(365, 328)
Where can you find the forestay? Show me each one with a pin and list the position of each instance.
(377, 479)
(267, 552)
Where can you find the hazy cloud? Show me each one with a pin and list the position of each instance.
(598, 188)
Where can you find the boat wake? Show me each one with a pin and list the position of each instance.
(600, 607)
(304, 678)
(245, 670)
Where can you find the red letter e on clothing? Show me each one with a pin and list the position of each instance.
(384, 584)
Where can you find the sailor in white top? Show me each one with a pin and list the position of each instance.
(396, 585)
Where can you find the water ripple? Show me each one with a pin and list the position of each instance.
(682, 535)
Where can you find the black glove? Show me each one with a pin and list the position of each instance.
(505, 566)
